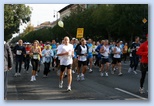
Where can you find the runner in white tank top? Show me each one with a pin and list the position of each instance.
(117, 58)
(105, 58)
(82, 52)
(117, 55)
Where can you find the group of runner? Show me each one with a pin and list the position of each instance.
(74, 56)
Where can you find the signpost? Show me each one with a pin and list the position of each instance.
(144, 20)
(80, 32)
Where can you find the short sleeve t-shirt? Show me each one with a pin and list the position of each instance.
(58, 49)
(90, 48)
(65, 59)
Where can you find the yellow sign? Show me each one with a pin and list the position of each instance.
(80, 32)
(144, 20)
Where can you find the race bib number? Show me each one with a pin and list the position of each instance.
(35, 56)
(27, 52)
(48, 54)
(66, 59)
(18, 52)
(83, 58)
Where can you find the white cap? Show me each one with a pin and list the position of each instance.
(25, 43)
(47, 45)
(73, 38)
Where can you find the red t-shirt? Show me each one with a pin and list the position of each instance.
(143, 52)
(42, 46)
(28, 49)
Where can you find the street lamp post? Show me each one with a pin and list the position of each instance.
(56, 15)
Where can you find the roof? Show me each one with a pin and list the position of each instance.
(63, 9)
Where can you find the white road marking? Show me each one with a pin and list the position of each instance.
(129, 93)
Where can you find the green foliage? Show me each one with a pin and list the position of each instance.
(14, 16)
(113, 21)
(28, 29)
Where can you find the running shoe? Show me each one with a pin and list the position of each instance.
(129, 70)
(120, 74)
(90, 70)
(16, 74)
(65, 75)
(32, 78)
(61, 84)
(36, 74)
(30, 64)
(19, 74)
(116, 68)
(78, 78)
(69, 88)
(73, 71)
(102, 74)
(135, 72)
(82, 77)
(141, 90)
(106, 74)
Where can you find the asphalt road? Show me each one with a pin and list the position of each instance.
(94, 87)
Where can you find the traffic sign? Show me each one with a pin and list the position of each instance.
(80, 32)
(144, 20)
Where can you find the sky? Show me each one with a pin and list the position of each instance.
(42, 13)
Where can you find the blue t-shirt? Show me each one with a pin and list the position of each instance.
(53, 47)
(75, 55)
(98, 49)
(90, 46)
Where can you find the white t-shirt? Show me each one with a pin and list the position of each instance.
(66, 59)
(117, 50)
(59, 48)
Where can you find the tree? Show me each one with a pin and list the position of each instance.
(27, 29)
(113, 22)
(14, 16)
(128, 20)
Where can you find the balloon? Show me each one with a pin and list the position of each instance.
(61, 24)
